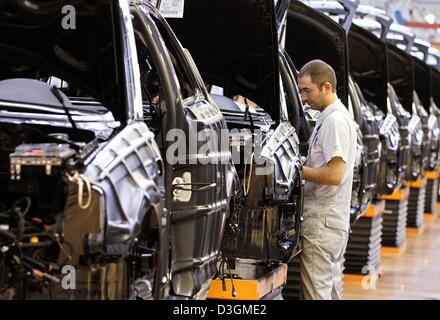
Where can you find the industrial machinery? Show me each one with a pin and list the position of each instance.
(90, 188)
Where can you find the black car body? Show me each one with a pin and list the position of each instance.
(369, 126)
(375, 64)
(435, 97)
(401, 80)
(421, 98)
(368, 67)
(242, 57)
(427, 110)
(131, 223)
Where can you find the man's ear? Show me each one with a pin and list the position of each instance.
(327, 87)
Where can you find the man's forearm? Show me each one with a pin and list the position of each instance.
(322, 175)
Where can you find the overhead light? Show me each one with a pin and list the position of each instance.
(430, 18)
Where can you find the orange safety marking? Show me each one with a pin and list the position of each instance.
(393, 251)
(430, 216)
(418, 184)
(375, 209)
(415, 231)
(359, 278)
(249, 289)
(400, 194)
(431, 175)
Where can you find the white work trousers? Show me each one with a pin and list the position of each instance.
(324, 240)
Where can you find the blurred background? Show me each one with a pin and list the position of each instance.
(422, 16)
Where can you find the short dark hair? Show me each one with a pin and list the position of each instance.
(320, 73)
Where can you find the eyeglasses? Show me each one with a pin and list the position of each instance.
(308, 91)
(305, 91)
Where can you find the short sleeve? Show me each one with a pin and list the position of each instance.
(336, 138)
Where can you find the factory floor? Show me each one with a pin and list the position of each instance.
(413, 274)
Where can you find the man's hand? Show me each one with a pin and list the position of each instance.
(329, 174)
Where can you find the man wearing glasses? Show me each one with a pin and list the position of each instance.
(328, 172)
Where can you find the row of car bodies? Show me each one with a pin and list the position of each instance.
(390, 79)
(153, 155)
(405, 74)
(390, 92)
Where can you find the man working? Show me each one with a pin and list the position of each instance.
(328, 172)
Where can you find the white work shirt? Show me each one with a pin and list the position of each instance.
(334, 136)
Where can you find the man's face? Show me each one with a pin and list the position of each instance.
(311, 93)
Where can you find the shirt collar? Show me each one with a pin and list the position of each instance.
(331, 107)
